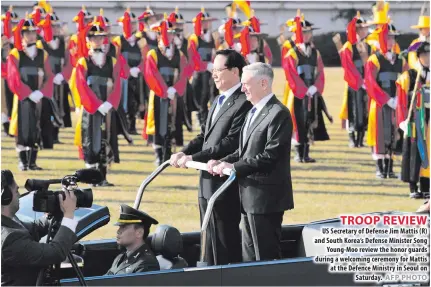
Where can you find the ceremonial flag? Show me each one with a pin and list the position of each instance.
(244, 6)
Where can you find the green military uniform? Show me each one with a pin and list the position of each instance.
(141, 259)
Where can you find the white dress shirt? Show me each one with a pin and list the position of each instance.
(259, 106)
(227, 94)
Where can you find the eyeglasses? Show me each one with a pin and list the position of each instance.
(218, 71)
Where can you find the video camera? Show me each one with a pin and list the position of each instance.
(47, 201)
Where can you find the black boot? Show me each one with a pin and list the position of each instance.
(132, 128)
(32, 160)
(159, 156)
(104, 182)
(360, 139)
(6, 129)
(379, 169)
(414, 191)
(307, 159)
(352, 140)
(299, 157)
(385, 168)
(391, 173)
(56, 133)
(23, 160)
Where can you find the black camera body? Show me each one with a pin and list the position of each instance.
(47, 201)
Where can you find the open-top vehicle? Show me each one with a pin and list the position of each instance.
(295, 268)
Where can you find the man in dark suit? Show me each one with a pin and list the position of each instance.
(262, 165)
(134, 227)
(22, 256)
(218, 138)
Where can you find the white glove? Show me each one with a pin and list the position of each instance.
(364, 87)
(171, 92)
(134, 72)
(392, 103)
(104, 108)
(58, 79)
(311, 91)
(210, 67)
(77, 111)
(36, 96)
(251, 58)
(403, 126)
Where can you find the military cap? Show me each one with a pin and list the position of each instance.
(129, 215)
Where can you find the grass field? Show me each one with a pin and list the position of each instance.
(342, 181)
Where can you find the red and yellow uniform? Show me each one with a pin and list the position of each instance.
(305, 75)
(164, 72)
(381, 72)
(414, 120)
(30, 78)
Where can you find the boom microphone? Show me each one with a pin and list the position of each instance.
(90, 176)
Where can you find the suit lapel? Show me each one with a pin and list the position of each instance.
(259, 118)
(226, 106)
(210, 115)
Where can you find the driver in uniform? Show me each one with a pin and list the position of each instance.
(134, 227)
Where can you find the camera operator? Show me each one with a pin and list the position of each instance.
(22, 256)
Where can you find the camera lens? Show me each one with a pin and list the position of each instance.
(84, 197)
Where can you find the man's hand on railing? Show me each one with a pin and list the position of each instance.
(221, 168)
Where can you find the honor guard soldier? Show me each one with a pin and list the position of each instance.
(354, 55)
(186, 106)
(201, 52)
(130, 45)
(424, 35)
(54, 44)
(9, 20)
(286, 45)
(306, 78)
(381, 73)
(97, 78)
(133, 229)
(109, 47)
(413, 112)
(164, 73)
(146, 20)
(30, 78)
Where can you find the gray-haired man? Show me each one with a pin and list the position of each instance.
(262, 164)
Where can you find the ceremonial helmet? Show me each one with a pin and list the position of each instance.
(424, 20)
(149, 13)
(392, 31)
(14, 18)
(28, 25)
(103, 18)
(305, 24)
(380, 13)
(177, 17)
(96, 30)
(85, 14)
(163, 28)
(254, 25)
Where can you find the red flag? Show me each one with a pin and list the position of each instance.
(82, 42)
(383, 38)
(80, 21)
(6, 25)
(351, 31)
(198, 24)
(172, 18)
(17, 35)
(47, 28)
(245, 41)
(255, 24)
(141, 27)
(164, 33)
(127, 25)
(36, 16)
(298, 32)
(228, 34)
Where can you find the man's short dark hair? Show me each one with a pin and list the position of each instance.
(233, 59)
(6, 178)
